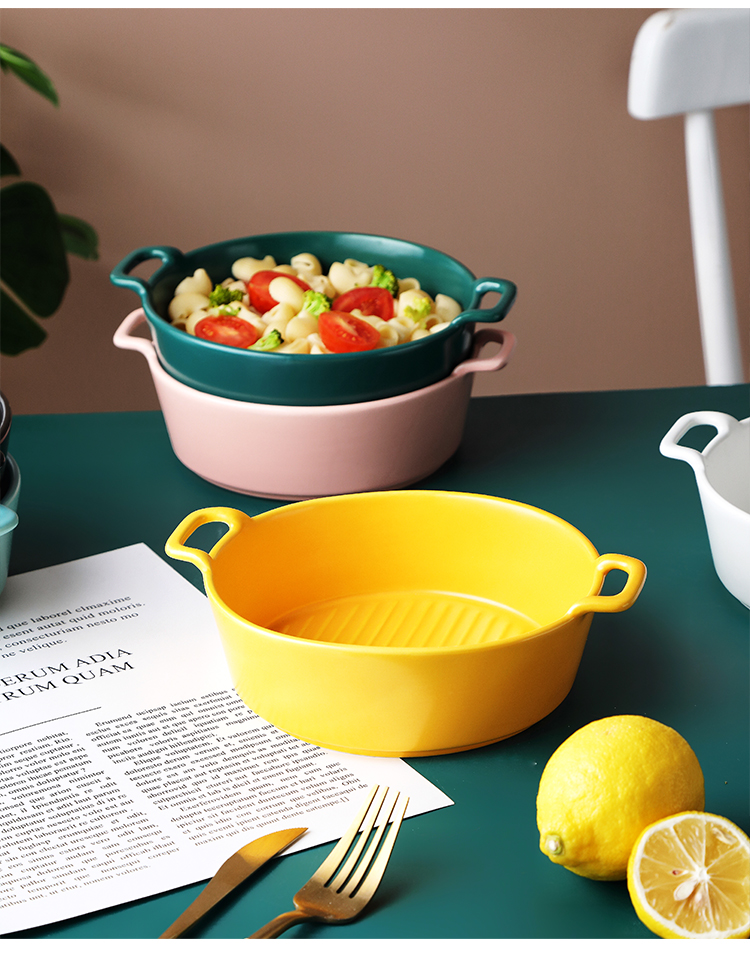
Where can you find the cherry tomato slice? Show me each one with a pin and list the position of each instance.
(227, 330)
(342, 332)
(257, 288)
(370, 300)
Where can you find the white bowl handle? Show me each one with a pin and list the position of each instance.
(507, 342)
(668, 446)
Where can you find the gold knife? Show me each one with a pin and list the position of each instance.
(231, 873)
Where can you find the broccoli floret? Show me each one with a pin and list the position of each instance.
(419, 311)
(315, 302)
(269, 342)
(229, 310)
(384, 279)
(223, 296)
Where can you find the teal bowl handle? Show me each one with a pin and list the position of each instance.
(505, 289)
(169, 255)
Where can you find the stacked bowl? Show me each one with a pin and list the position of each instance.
(10, 490)
(294, 426)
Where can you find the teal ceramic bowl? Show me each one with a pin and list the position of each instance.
(6, 419)
(8, 515)
(285, 379)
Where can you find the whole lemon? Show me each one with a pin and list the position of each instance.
(605, 784)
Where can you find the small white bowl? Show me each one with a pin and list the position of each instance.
(294, 452)
(722, 473)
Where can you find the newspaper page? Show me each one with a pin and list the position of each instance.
(129, 764)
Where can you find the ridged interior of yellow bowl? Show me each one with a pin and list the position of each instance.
(416, 569)
(413, 619)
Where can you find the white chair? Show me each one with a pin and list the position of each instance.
(692, 62)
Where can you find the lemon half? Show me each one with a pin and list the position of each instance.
(689, 878)
(605, 784)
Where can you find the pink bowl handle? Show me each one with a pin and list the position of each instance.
(124, 340)
(507, 342)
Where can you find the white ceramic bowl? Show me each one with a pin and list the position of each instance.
(295, 452)
(722, 472)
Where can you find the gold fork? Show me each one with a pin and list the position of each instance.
(335, 894)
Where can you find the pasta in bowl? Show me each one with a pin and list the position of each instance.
(297, 308)
(414, 349)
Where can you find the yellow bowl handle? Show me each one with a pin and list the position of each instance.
(636, 572)
(175, 546)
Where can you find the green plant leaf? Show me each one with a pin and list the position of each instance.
(18, 331)
(8, 165)
(79, 237)
(33, 261)
(35, 239)
(26, 70)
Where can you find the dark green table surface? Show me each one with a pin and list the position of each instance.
(680, 655)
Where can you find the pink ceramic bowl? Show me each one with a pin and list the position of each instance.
(293, 452)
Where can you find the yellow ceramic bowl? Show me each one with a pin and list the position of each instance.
(403, 623)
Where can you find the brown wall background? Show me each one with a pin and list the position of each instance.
(500, 136)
